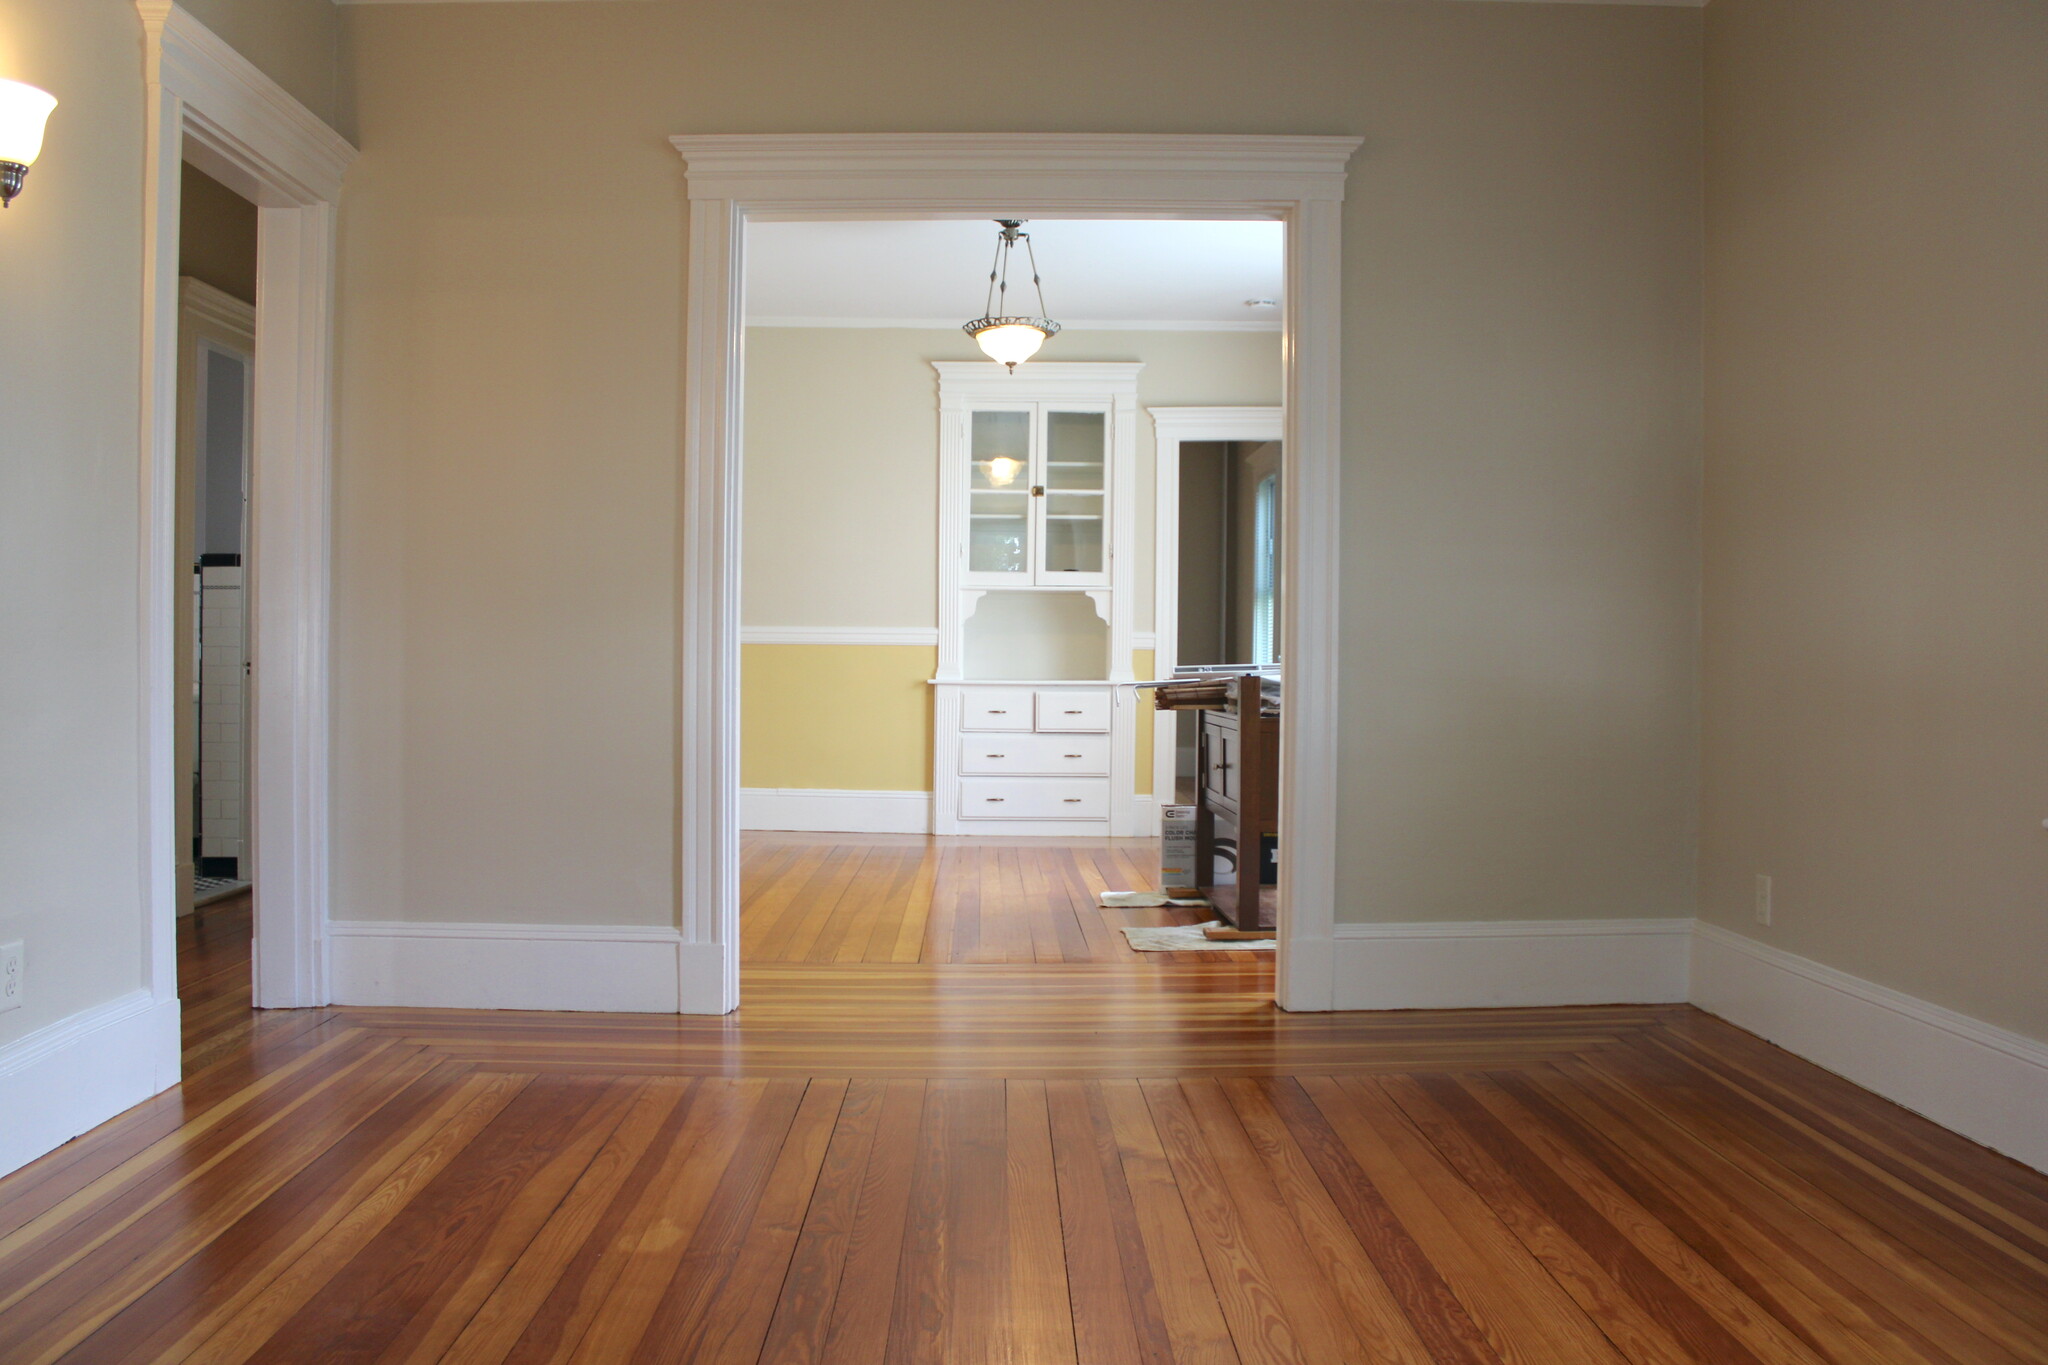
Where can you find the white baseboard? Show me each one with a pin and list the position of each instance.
(838, 812)
(624, 968)
(71, 1076)
(1476, 964)
(1144, 817)
(1986, 1083)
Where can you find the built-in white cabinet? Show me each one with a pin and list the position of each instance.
(1038, 496)
(1048, 760)
(1035, 553)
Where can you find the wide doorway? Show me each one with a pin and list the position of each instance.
(739, 182)
(948, 595)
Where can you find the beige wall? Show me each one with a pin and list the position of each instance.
(1204, 539)
(216, 235)
(70, 364)
(1877, 491)
(70, 333)
(294, 42)
(842, 439)
(1521, 429)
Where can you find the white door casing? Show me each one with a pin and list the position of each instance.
(732, 178)
(1170, 427)
(208, 105)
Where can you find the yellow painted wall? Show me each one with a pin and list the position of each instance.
(837, 717)
(855, 717)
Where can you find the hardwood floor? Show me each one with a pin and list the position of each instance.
(1085, 1162)
(882, 898)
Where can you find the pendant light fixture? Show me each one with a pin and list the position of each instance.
(1004, 338)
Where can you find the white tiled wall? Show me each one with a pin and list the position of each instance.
(223, 715)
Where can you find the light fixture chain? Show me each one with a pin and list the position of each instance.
(1032, 252)
(988, 305)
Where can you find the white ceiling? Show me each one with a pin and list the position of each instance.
(935, 274)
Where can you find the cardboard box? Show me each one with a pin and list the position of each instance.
(1177, 848)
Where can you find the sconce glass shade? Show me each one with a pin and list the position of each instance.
(23, 112)
(1009, 340)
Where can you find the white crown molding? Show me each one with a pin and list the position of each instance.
(925, 636)
(953, 325)
(978, 174)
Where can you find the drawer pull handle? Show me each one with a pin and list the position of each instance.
(1073, 755)
(1073, 713)
(998, 755)
(1072, 800)
(999, 713)
(992, 798)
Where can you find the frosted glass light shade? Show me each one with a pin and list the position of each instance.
(1010, 342)
(23, 112)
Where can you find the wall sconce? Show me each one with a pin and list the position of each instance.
(23, 111)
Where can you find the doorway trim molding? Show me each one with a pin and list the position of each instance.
(207, 104)
(732, 178)
(1170, 427)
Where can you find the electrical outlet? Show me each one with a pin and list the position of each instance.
(1763, 899)
(10, 976)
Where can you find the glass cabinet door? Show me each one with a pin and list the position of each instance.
(999, 494)
(1076, 492)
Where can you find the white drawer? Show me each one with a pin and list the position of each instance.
(1063, 709)
(1046, 754)
(995, 710)
(1029, 798)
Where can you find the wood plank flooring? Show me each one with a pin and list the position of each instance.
(1083, 1163)
(881, 898)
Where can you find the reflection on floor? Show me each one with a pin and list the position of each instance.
(1075, 1162)
(906, 898)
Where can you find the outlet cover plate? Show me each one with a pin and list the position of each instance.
(10, 976)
